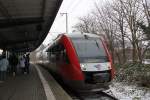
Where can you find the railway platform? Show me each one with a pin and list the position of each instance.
(38, 85)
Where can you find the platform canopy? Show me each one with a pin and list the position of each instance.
(24, 24)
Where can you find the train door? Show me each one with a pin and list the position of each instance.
(64, 63)
(53, 57)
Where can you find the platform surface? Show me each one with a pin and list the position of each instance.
(23, 87)
(30, 87)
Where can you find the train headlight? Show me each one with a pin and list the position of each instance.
(83, 67)
(109, 66)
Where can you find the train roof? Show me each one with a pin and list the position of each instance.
(72, 35)
(76, 35)
(82, 35)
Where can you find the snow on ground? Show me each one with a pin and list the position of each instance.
(125, 92)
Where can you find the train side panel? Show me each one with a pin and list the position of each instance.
(70, 70)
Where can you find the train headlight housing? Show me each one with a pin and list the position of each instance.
(109, 66)
(82, 67)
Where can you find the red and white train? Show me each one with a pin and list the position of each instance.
(81, 60)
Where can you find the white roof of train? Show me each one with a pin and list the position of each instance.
(74, 35)
(80, 35)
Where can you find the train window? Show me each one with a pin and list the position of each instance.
(58, 54)
(90, 50)
(63, 55)
(53, 53)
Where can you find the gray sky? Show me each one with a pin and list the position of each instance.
(75, 9)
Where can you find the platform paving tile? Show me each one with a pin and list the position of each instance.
(23, 87)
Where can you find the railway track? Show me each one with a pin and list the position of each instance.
(97, 95)
(111, 96)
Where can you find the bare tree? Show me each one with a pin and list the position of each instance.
(145, 26)
(87, 24)
(146, 7)
(132, 14)
(121, 21)
(117, 15)
(107, 26)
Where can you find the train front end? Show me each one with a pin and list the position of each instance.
(95, 62)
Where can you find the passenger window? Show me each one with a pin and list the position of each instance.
(64, 55)
(58, 54)
(53, 57)
(66, 59)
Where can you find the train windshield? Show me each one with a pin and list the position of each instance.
(90, 50)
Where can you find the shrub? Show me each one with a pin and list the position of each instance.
(133, 73)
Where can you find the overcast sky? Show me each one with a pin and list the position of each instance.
(75, 9)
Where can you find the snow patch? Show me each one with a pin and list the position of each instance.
(125, 92)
